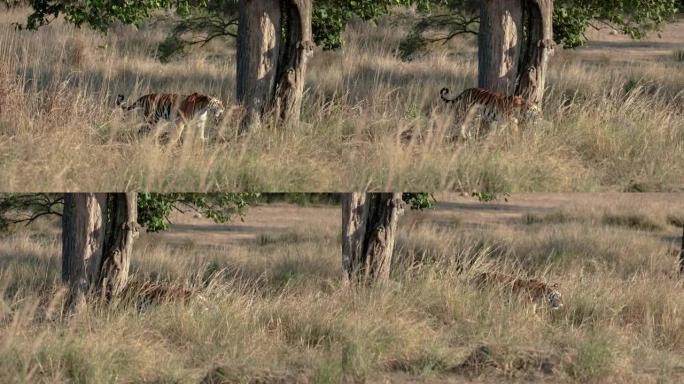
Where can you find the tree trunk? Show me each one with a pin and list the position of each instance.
(369, 224)
(537, 49)
(97, 238)
(681, 255)
(258, 49)
(122, 228)
(273, 45)
(513, 59)
(82, 239)
(297, 48)
(499, 46)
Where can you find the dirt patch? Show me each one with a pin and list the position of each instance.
(606, 44)
(469, 211)
(259, 222)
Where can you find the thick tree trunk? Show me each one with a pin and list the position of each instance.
(297, 48)
(354, 216)
(122, 228)
(513, 59)
(82, 239)
(681, 255)
(499, 46)
(369, 224)
(274, 43)
(537, 49)
(97, 238)
(258, 50)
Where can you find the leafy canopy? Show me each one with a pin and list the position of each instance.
(419, 200)
(98, 14)
(571, 20)
(635, 18)
(441, 20)
(207, 18)
(154, 209)
(330, 17)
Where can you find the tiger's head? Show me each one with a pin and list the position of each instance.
(215, 107)
(554, 297)
(532, 113)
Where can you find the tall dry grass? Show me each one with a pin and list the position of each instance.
(272, 308)
(609, 124)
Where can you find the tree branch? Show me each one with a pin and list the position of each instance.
(26, 208)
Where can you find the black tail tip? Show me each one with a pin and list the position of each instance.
(444, 91)
(119, 99)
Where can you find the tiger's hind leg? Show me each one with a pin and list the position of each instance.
(470, 120)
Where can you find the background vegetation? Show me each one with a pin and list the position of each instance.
(261, 301)
(610, 123)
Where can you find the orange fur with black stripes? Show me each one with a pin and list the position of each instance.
(492, 107)
(537, 290)
(178, 109)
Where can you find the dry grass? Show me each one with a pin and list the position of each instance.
(609, 124)
(270, 309)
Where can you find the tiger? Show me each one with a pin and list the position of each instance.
(178, 109)
(492, 107)
(538, 291)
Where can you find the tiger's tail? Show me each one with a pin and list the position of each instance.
(444, 94)
(120, 103)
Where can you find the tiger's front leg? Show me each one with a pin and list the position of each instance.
(202, 124)
(180, 128)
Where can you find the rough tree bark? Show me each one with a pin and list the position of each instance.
(273, 46)
(681, 254)
(499, 45)
(369, 224)
(515, 42)
(258, 47)
(122, 229)
(537, 49)
(297, 48)
(82, 240)
(97, 238)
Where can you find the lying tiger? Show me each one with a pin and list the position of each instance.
(492, 107)
(177, 109)
(538, 291)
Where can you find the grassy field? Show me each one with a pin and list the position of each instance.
(613, 118)
(267, 305)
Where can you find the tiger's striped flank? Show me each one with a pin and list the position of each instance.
(492, 107)
(537, 290)
(177, 109)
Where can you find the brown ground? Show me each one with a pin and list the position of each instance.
(507, 210)
(607, 45)
(266, 219)
(282, 218)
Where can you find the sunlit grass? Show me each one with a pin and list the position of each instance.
(272, 307)
(607, 125)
